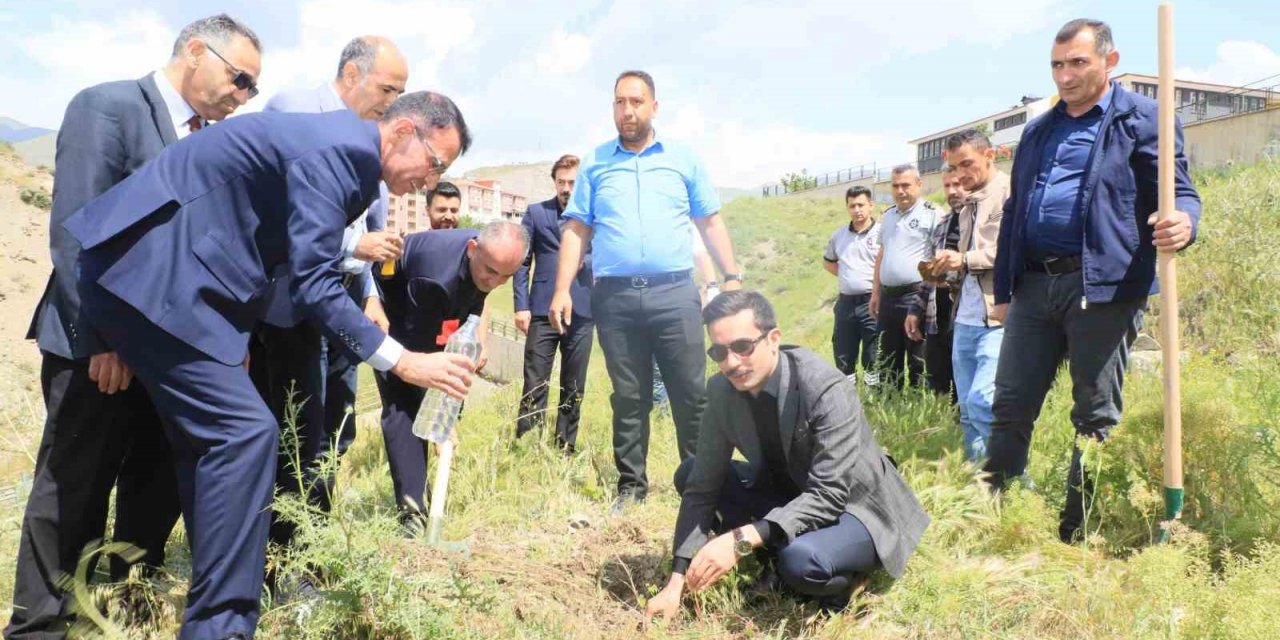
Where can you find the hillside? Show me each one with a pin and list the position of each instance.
(534, 181)
(24, 249)
(545, 560)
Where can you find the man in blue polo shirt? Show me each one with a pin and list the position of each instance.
(1076, 256)
(635, 200)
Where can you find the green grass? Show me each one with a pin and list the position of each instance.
(986, 568)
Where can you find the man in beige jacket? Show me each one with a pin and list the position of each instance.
(977, 335)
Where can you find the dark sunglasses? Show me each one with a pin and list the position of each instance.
(744, 347)
(241, 80)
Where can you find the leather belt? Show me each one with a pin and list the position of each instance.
(648, 280)
(1054, 266)
(899, 291)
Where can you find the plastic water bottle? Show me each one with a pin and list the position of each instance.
(438, 413)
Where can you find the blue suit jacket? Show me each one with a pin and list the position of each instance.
(432, 284)
(542, 221)
(1119, 193)
(322, 99)
(190, 239)
(109, 131)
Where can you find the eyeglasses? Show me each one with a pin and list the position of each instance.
(438, 166)
(744, 348)
(242, 80)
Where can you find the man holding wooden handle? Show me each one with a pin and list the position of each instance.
(1076, 257)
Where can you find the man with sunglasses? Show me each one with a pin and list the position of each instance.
(816, 495)
(101, 430)
(292, 360)
(175, 264)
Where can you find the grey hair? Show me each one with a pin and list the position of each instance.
(430, 110)
(217, 30)
(1102, 40)
(977, 140)
(505, 231)
(361, 51)
(906, 168)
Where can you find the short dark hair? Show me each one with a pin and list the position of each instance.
(566, 161)
(731, 303)
(972, 137)
(636, 73)
(430, 110)
(1102, 41)
(856, 191)
(218, 30)
(444, 190)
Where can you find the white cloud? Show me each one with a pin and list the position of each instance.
(324, 26)
(1239, 62)
(566, 53)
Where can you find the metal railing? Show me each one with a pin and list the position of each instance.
(824, 180)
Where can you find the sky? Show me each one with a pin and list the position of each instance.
(758, 89)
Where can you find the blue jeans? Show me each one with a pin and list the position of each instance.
(975, 351)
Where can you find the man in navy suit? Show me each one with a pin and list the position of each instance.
(442, 277)
(543, 222)
(175, 264)
(298, 364)
(100, 430)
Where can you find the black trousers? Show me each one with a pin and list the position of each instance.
(819, 563)
(937, 349)
(636, 325)
(406, 453)
(897, 351)
(855, 335)
(91, 442)
(539, 354)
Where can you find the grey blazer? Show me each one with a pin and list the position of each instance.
(109, 131)
(831, 455)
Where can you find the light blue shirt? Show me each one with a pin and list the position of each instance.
(640, 207)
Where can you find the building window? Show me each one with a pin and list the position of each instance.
(1010, 121)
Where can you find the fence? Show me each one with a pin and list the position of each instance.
(826, 179)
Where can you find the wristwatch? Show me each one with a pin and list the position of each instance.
(733, 277)
(741, 545)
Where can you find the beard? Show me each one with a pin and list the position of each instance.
(641, 133)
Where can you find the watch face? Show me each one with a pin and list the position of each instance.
(743, 547)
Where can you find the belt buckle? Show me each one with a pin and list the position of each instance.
(639, 282)
(1048, 266)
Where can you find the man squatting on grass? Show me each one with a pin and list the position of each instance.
(816, 494)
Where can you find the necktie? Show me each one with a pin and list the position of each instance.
(194, 124)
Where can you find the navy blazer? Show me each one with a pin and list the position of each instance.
(1119, 193)
(542, 221)
(432, 285)
(109, 131)
(188, 240)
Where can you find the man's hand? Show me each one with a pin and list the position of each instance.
(561, 311)
(713, 560)
(448, 372)
(873, 307)
(912, 327)
(110, 372)
(1172, 233)
(665, 603)
(523, 318)
(373, 310)
(379, 246)
(999, 312)
(483, 358)
(945, 261)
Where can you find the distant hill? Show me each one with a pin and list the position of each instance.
(533, 180)
(13, 131)
(38, 152)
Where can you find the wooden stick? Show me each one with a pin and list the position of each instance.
(435, 519)
(1169, 276)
